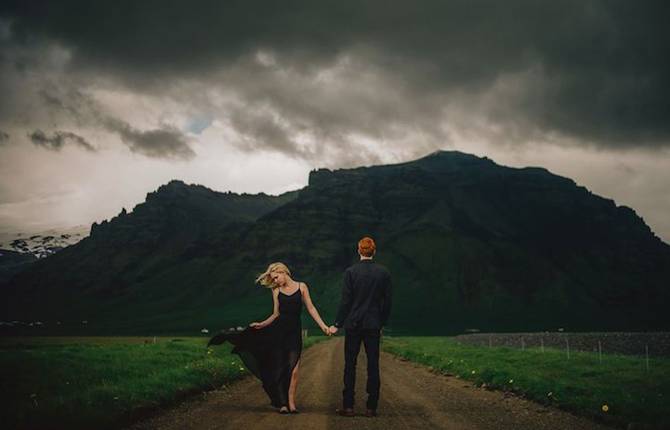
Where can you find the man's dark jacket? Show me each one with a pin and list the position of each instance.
(366, 296)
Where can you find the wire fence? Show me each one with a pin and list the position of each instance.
(642, 344)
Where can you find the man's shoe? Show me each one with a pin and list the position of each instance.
(371, 413)
(345, 412)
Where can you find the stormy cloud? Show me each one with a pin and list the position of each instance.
(592, 71)
(166, 142)
(212, 90)
(58, 139)
(163, 142)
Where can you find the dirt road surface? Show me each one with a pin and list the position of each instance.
(412, 397)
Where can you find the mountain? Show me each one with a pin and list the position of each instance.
(12, 262)
(470, 244)
(18, 250)
(40, 244)
(131, 260)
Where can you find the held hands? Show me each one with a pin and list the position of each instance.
(256, 325)
(329, 331)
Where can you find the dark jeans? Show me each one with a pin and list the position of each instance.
(352, 346)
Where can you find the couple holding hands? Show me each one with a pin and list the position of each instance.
(271, 349)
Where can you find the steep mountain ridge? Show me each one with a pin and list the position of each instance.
(470, 244)
(120, 256)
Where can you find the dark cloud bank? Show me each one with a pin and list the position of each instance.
(164, 142)
(58, 139)
(593, 71)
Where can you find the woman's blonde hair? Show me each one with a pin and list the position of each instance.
(266, 280)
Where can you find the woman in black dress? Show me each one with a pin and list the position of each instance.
(271, 349)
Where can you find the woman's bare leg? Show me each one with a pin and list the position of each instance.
(292, 387)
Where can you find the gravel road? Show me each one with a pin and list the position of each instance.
(412, 397)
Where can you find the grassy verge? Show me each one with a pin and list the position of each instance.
(617, 390)
(106, 382)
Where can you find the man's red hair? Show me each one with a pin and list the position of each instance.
(366, 247)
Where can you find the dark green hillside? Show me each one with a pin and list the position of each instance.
(11, 262)
(140, 263)
(473, 244)
(470, 244)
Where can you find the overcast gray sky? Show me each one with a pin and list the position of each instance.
(102, 102)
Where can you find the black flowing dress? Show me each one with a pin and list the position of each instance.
(272, 352)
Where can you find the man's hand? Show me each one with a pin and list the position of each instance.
(256, 325)
(332, 329)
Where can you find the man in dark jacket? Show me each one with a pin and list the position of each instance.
(364, 310)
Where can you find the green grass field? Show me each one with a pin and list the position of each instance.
(106, 382)
(619, 390)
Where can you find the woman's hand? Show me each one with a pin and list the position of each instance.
(256, 325)
(324, 329)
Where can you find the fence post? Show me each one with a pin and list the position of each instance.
(646, 353)
(567, 347)
(523, 344)
(489, 341)
(542, 344)
(600, 352)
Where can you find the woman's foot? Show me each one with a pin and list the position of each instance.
(294, 411)
(345, 412)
